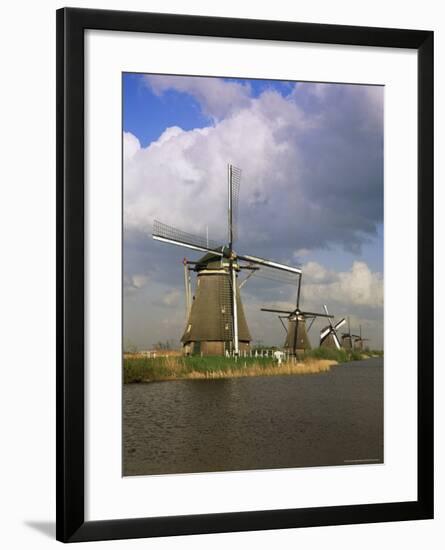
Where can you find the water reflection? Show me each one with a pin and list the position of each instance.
(255, 423)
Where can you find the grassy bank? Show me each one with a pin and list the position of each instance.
(143, 369)
(341, 355)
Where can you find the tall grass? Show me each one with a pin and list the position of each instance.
(339, 355)
(174, 368)
(164, 368)
(144, 369)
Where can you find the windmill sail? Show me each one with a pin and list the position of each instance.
(173, 235)
(328, 334)
(269, 263)
(234, 180)
(233, 195)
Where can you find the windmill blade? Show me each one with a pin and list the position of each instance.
(312, 314)
(294, 346)
(325, 307)
(269, 263)
(281, 321)
(188, 296)
(275, 275)
(244, 281)
(336, 340)
(278, 311)
(340, 323)
(310, 324)
(169, 234)
(234, 312)
(325, 333)
(234, 189)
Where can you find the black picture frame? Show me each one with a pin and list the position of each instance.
(71, 524)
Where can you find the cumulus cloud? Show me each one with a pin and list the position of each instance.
(131, 146)
(357, 287)
(217, 97)
(316, 176)
(312, 178)
(356, 293)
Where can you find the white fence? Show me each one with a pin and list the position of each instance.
(274, 354)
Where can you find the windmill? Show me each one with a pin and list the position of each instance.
(296, 333)
(188, 287)
(347, 338)
(216, 323)
(328, 334)
(358, 342)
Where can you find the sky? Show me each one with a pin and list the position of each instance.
(311, 156)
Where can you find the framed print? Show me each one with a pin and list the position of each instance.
(245, 275)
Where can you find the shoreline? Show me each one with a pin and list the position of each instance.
(144, 370)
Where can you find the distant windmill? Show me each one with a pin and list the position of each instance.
(359, 342)
(328, 335)
(296, 337)
(347, 338)
(216, 323)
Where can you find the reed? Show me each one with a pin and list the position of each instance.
(176, 368)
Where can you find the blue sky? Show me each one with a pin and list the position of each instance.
(312, 161)
(146, 115)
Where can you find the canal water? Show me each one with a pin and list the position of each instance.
(333, 418)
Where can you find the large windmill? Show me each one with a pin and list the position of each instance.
(216, 323)
(297, 340)
(328, 334)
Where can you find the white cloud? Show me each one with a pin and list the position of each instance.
(139, 281)
(135, 282)
(217, 97)
(312, 177)
(300, 173)
(131, 146)
(301, 253)
(181, 178)
(171, 298)
(357, 287)
(314, 272)
(356, 293)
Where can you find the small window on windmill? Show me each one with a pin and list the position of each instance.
(223, 309)
(189, 328)
(227, 326)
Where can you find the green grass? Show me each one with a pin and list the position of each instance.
(340, 355)
(160, 368)
(142, 369)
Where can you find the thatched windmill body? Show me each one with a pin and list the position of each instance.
(359, 342)
(328, 334)
(209, 327)
(216, 323)
(297, 340)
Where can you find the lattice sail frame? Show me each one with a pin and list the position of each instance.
(162, 231)
(235, 185)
